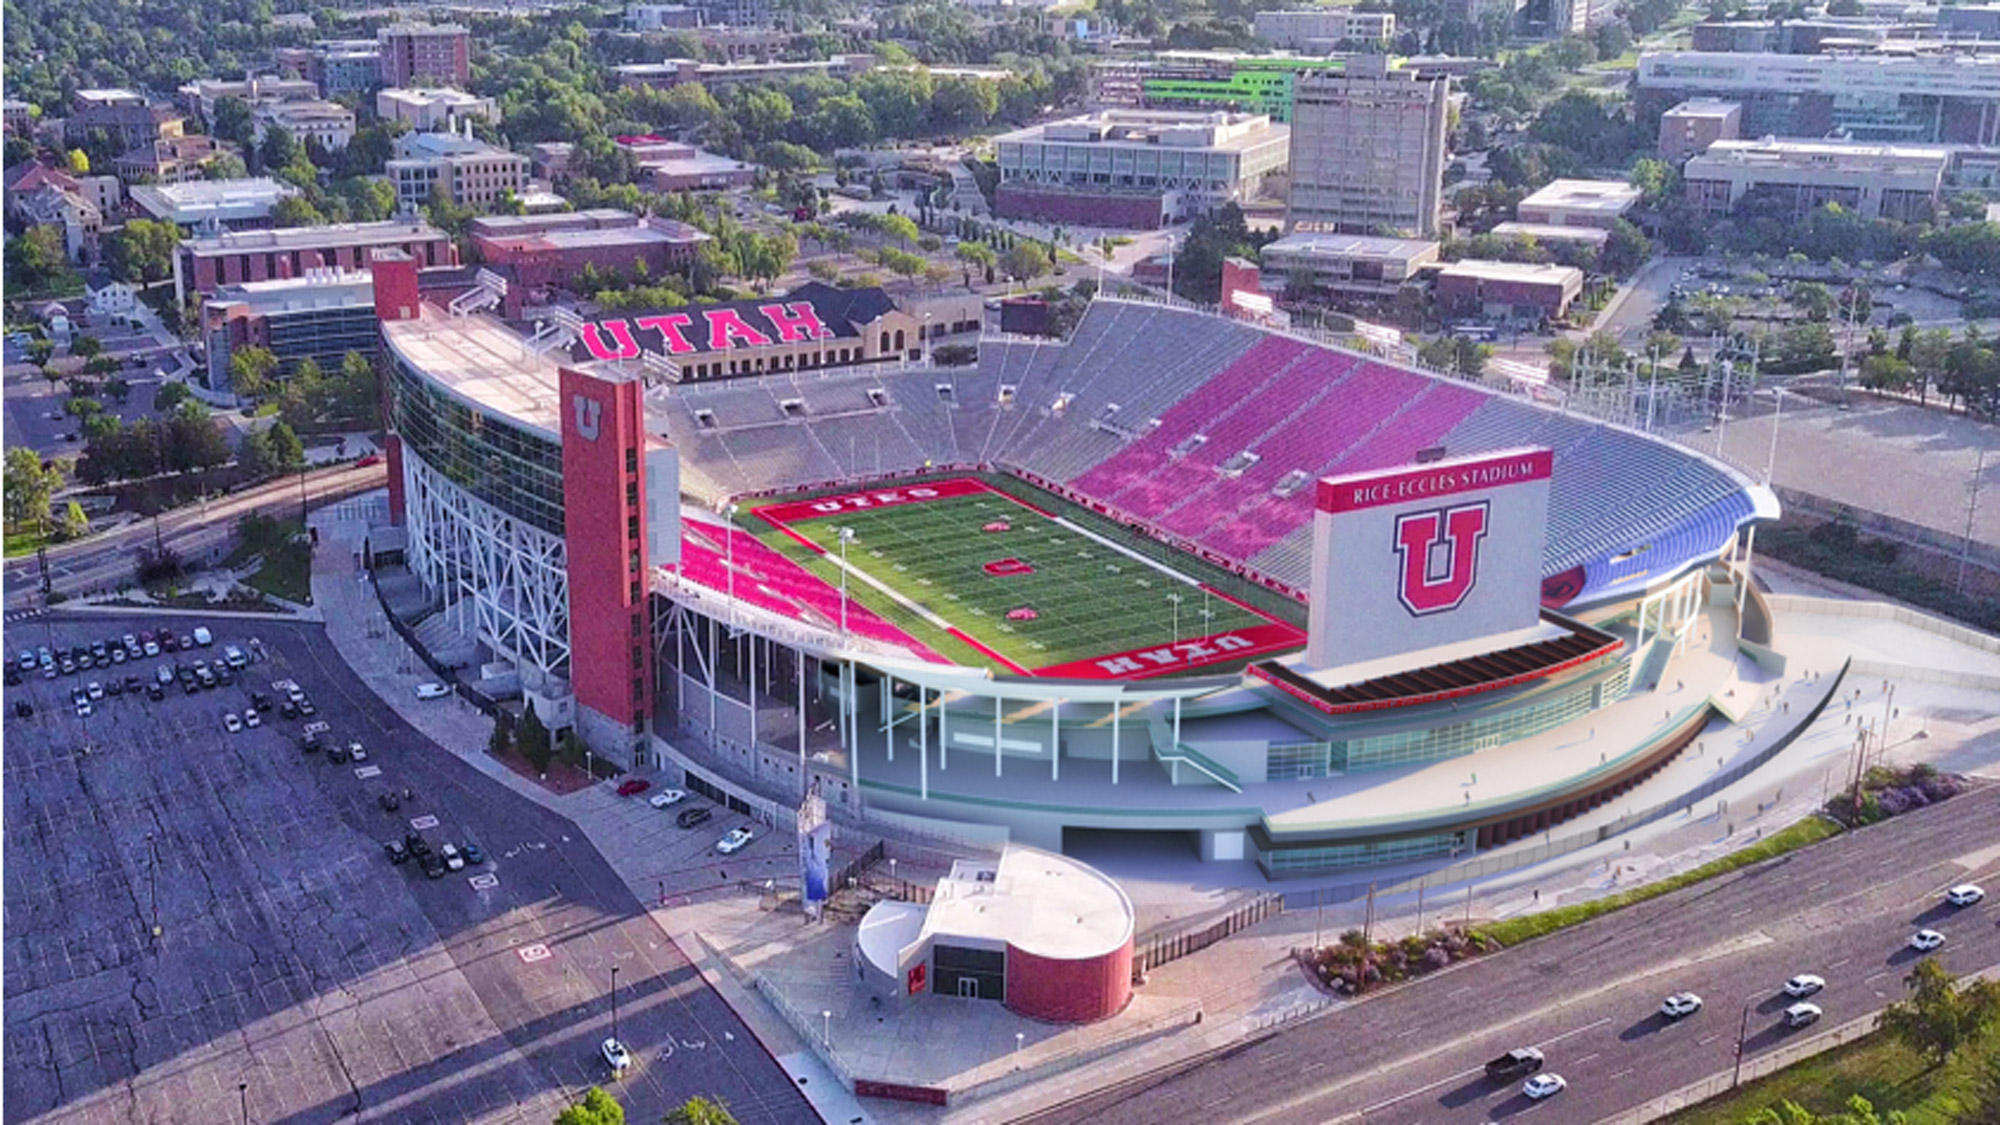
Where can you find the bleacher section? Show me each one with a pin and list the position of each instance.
(1191, 423)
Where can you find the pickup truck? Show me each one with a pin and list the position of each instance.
(1514, 1064)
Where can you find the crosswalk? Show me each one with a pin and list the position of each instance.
(24, 614)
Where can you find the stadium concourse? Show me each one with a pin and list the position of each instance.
(1176, 574)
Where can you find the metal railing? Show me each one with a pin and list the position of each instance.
(1160, 949)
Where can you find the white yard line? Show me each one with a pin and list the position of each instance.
(1127, 552)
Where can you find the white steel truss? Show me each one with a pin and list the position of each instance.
(514, 576)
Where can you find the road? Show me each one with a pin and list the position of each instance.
(1589, 996)
(108, 559)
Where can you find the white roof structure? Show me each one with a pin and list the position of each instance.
(1037, 902)
(1596, 197)
(211, 201)
(483, 362)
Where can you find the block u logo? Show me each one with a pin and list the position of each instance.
(1439, 551)
(589, 412)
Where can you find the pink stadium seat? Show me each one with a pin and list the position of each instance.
(772, 582)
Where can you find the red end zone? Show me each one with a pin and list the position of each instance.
(796, 511)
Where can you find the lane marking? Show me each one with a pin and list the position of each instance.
(423, 822)
(1839, 963)
(1581, 1059)
(1408, 1094)
(366, 772)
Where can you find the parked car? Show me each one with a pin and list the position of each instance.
(432, 690)
(155, 692)
(260, 701)
(1965, 894)
(1544, 1086)
(252, 719)
(231, 723)
(288, 710)
(233, 656)
(694, 817)
(615, 1054)
(474, 855)
(355, 751)
(389, 802)
(96, 690)
(632, 786)
(734, 841)
(666, 797)
(337, 754)
(306, 707)
(23, 709)
(433, 866)
(1805, 984)
(202, 636)
(1680, 1004)
(398, 854)
(1515, 1063)
(452, 860)
(164, 674)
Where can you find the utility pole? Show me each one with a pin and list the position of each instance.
(1742, 1032)
(1420, 907)
(153, 880)
(614, 1002)
(1971, 510)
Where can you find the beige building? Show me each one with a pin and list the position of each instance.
(1598, 204)
(1351, 264)
(435, 109)
(469, 172)
(328, 123)
(1134, 168)
(1368, 150)
(1874, 181)
(1320, 29)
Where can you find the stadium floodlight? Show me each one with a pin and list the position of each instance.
(846, 537)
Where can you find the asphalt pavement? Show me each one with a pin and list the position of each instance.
(294, 958)
(1589, 996)
(106, 561)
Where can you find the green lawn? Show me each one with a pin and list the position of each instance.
(1035, 592)
(24, 542)
(1513, 931)
(287, 567)
(1877, 1068)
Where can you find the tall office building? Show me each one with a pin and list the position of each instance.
(1368, 150)
(415, 54)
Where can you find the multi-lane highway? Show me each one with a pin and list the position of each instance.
(107, 560)
(1589, 996)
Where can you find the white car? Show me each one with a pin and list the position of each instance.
(1805, 984)
(250, 718)
(1799, 1015)
(1923, 941)
(1680, 1004)
(666, 797)
(435, 690)
(83, 708)
(1544, 1086)
(96, 691)
(453, 861)
(1965, 894)
(151, 648)
(356, 751)
(233, 656)
(202, 636)
(231, 723)
(735, 841)
(615, 1054)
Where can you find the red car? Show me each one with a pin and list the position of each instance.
(632, 787)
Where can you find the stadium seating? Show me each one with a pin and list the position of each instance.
(770, 581)
(1114, 412)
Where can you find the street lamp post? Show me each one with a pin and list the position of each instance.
(846, 535)
(729, 512)
(1742, 1032)
(243, 1100)
(826, 1028)
(614, 1002)
(153, 880)
(1771, 459)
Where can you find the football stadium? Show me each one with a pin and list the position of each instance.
(1178, 579)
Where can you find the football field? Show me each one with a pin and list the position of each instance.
(1033, 593)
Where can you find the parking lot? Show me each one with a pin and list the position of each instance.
(295, 969)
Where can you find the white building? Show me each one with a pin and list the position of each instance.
(435, 109)
(1368, 149)
(329, 123)
(1896, 99)
(1579, 203)
(1323, 29)
(212, 205)
(1122, 168)
(1875, 181)
(199, 97)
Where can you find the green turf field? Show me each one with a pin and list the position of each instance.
(1071, 596)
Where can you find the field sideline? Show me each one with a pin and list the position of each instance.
(1018, 586)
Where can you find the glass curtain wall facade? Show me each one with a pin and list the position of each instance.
(506, 466)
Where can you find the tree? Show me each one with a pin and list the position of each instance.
(36, 258)
(30, 486)
(288, 454)
(143, 252)
(278, 149)
(253, 453)
(169, 396)
(250, 371)
(502, 739)
(1625, 250)
(1939, 1018)
(79, 162)
(597, 1107)
(1026, 261)
(84, 347)
(232, 122)
(75, 523)
(533, 739)
(700, 1111)
(297, 211)
(1859, 1111)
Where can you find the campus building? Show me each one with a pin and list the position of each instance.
(1368, 150)
(1323, 30)
(550, 250)
(1597, 204)
(205, 264)
(435, 109)
(336, 66)
(1508, 290)
(321, 316)
(1892, 99)
(678, 72)
(413, 54)
(1348, 265)
(1229, 81)
(1697, 123)
(212, 206)
(1874, 181)
(466, 170)
(327, 124)
(1137, 168)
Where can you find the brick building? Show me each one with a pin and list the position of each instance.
(202, 265)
